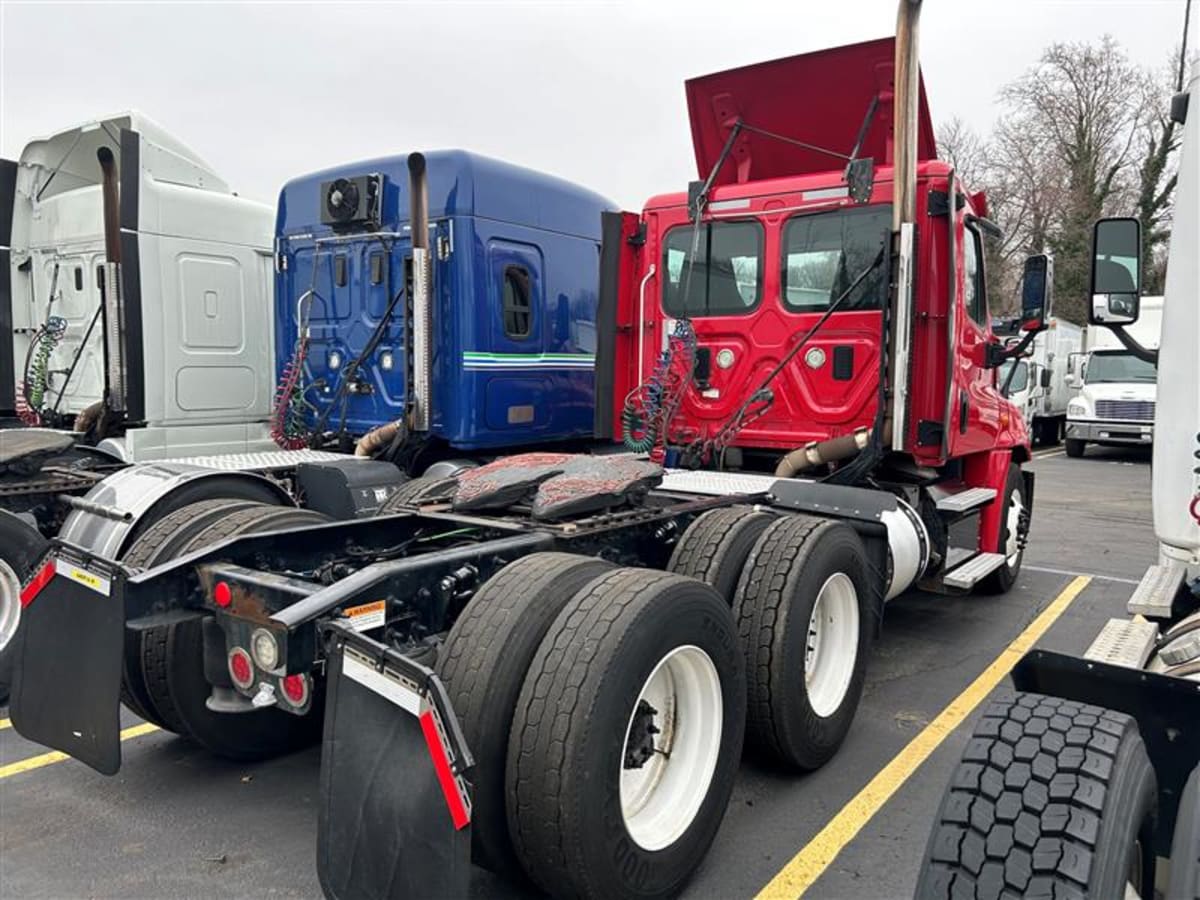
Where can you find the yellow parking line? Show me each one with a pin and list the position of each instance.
(806, 866)
(5, 723)
(46, 759)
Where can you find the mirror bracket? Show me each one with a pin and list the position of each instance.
(1142, 353)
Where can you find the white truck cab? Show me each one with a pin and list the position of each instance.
(1039, 380)
(1117, 391)
(196, 355)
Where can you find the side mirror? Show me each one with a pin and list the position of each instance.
(1045, 378)
(1073, 381)
(1037, 292)
(1116, 272)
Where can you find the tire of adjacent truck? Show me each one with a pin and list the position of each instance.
(483, 664)
(1074, 447)
(1047, 430)
(418, 491)
(716, 546)
(600, 805)
(1052, 798)
(21, 546)
(172, 663)
(1183, 879)
(1016, 505)
(804, 668)
(163, 541)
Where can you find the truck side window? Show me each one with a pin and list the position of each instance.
(824, 252)
(974, 294)
(726, 276)
(516, 303)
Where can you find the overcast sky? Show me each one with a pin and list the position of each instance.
(589, 91)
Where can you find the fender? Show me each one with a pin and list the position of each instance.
(126, 503)
(989, 469)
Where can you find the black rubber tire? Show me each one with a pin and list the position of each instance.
(1001, 580)
(716, 546)
(1048, 431)
(778, 590)
(417, 491)
(1049, 800)
(1074, 447)
(483, 663)
(173, 664)
(568, 735)
(21, 546)
(159, 543)
(1183, 882)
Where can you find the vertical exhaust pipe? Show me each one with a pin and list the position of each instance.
(113, 311)
(906, 74)
(422, 313)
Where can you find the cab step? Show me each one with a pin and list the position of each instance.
(973, 571)
(1124, 642)
(964, 501)
(1155, 594)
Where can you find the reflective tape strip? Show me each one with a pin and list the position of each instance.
(377, 682)
(441, 765)
(39, 581)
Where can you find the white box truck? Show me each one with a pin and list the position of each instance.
(1116, 395)
(188, 358)
(1037, 382)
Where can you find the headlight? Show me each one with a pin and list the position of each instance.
(1077, 408)
(264, 648)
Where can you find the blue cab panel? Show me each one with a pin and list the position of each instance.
(515, 277)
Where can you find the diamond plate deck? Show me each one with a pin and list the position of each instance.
(1124, 642)
(973, 570)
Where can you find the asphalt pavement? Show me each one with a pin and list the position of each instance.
(178, 823)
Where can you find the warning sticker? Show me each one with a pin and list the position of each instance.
(367, 616)
(97, 583)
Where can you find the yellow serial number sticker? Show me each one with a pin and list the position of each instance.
(97, 583)
(368, 616)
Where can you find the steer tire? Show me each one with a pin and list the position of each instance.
(1051, 799)
(1001, 580)
(21, 546)
(1074, 447)
(173, 663)
(159, 543)
(483, 663)
(794, 560)
(715, 546)
(568, 752)
(418, 491)
(1183, 882)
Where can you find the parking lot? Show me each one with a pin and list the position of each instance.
(178, 823)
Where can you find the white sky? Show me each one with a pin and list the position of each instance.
(589, 91)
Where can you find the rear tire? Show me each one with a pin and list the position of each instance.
(805, 667)
(172, 663)
(715, 547)
(21, 546)
(1183, 883)
(1074, 447)
(483, 664)
(596, 808)
(1016, 505)
(418, 491)
(1052, 798)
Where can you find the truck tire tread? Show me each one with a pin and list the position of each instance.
(716, 545)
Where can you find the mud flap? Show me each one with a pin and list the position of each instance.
(395, 808)
(67, 676)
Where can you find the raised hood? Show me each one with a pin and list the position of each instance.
(818, 98)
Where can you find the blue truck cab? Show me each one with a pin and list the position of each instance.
(513, 275)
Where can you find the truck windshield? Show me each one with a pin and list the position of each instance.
(726, 276)
(824, 252)
(1106, 367)
(1020, 379)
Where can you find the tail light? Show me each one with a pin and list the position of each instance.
(222, 594)
(296, 690)
(241, 669)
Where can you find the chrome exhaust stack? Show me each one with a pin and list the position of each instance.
(113, 309)
(422, 314)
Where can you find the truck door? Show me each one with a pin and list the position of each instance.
(975, 399)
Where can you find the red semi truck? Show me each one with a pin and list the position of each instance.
(548, 664)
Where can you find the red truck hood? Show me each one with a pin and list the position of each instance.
(819, 98)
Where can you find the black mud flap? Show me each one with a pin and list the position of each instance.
(67, 670)
(395, 815)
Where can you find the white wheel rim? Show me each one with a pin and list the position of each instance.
(1012, 546)
(10, 603)
(661, 797)
(832, 644)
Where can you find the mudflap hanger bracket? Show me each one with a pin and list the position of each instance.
(395, 805)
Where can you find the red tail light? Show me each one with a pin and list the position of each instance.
(222, 594)
(241, 669)
(295, 690)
